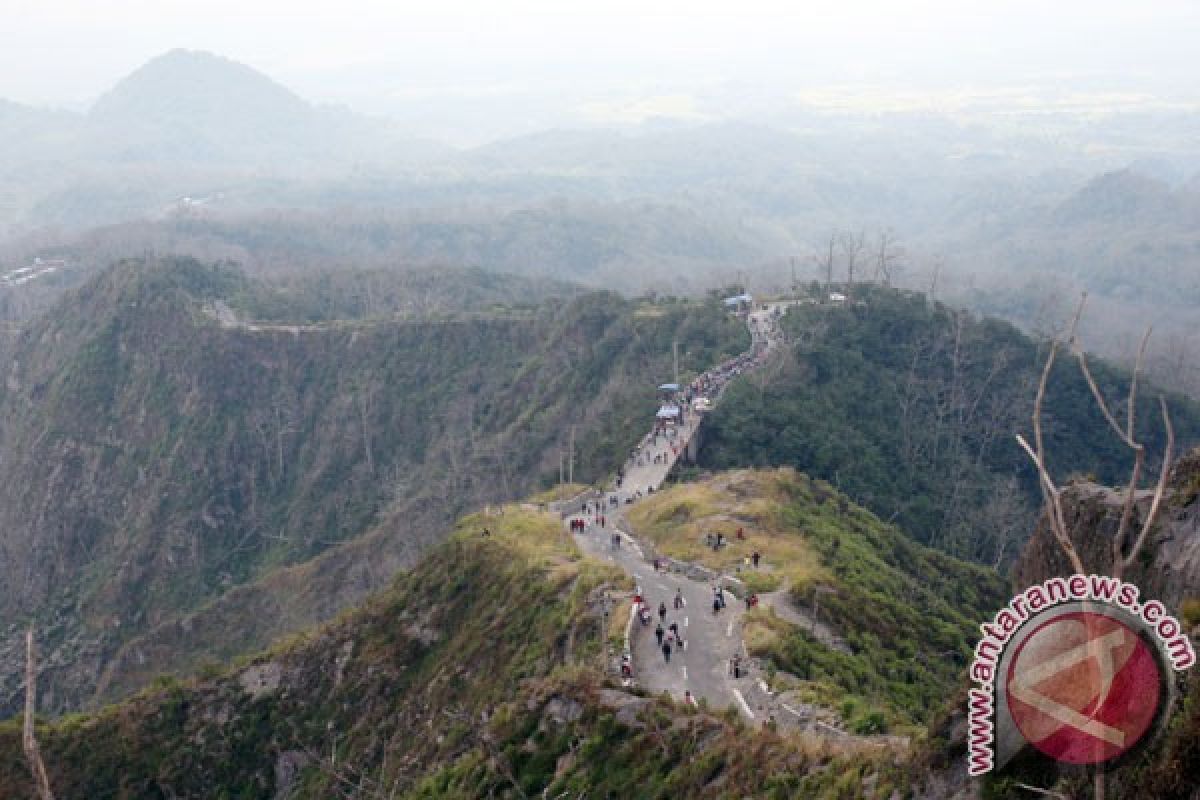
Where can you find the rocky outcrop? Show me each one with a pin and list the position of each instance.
(1169, 568)
(1168, 571)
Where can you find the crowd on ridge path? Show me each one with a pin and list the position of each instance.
(659, 449)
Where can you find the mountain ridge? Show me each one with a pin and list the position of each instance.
(160, 456)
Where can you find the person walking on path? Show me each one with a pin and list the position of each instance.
(674, 628)
(658, 633)
(755, 558)
(666, 648)
(678, 598)
(662, 612)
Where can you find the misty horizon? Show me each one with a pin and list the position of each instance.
(466, 74)
(1021, 155)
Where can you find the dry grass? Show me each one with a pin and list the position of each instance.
(537, 536)
(1190, 612)
(761, 629)
(617, 622)
(540, 540)
(677, 519)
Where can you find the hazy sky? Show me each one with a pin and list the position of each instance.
(612, 58)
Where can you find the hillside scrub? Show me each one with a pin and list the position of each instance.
(677, 521)
(158, 460)
(477, 675)
(910, 408)
(907, 614)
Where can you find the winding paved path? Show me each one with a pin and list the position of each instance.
(702, 665)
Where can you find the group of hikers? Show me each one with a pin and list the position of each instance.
(589, 511)
(661, 445)
(711, 383)
(580, 525)
(644, 455)
(666, 632)
(658, 448)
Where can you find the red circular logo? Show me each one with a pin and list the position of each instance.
(1084, 688)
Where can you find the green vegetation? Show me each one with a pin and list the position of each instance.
(906, 615)
(168, 459)
(678, 520)
(477, 675)
(910, 408)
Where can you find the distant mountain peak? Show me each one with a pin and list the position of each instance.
(192, 86)
(188, 103)
(1120, 195)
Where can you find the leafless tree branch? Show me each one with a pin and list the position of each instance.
(1120, 565)
(33, 753)
(1053, 495)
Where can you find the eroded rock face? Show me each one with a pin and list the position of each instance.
(1169, 569)
(287, 768)
(261, 679)
(627, 706)
(562, 710)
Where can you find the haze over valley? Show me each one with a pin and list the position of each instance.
(580, 402)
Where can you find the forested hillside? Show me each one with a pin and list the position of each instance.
(478, 675)
(911, 408)
(163, 449)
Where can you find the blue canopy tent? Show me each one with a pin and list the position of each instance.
(739, 302)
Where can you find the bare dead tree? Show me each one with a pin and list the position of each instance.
(887, 258)
(1120, 560)
(1005, 513)
(934, 278)
(852, 245)
(284, 425)
(29, 741)
(364, 396)
(826, 263)
(1052, 494)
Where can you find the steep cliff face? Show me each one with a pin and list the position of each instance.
(1170, 567)
(1170, 572)
(159, 454)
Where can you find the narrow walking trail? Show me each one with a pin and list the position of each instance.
(700, 661)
